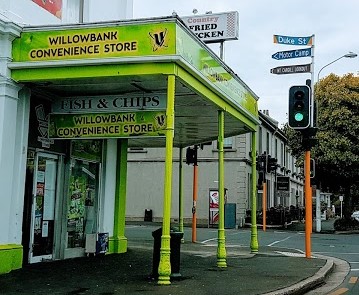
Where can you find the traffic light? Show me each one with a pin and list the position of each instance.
(191, 156)
(261, 162)
(271, 164)
(312, 168)
(299, 107)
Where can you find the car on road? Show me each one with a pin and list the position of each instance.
(355, 215)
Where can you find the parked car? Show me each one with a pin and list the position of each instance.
(355, 215)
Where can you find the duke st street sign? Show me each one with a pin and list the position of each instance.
(287, 40)
(293, 69)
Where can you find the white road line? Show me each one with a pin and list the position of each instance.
(279, 241)
(353, 262)
(279, 232)
(206, 241)
(235, 233)
(354, 269)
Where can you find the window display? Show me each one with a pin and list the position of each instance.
(83, 195)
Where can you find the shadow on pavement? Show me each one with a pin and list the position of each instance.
(129, 273)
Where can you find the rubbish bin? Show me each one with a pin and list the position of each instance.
(148, 215)
(175, 245)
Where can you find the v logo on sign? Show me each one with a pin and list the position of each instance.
(159, 39)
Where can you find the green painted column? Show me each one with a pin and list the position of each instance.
(180, 194)
(221, 248)
(164, 268)
(254, 232)
(118, 243)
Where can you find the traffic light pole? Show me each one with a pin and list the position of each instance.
(264, 204)
(195, 190)
(307, 186)
(312, 119)
(308, 204)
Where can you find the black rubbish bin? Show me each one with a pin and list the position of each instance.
(148, 215)
(175, 256)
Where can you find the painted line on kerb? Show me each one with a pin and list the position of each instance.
(339, 291)
(279, 241)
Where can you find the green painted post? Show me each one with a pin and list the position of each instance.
(180, 193)
(118, 243)
(254, 233)
(221, 249)
(164, 268)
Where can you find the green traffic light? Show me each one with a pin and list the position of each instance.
(299, 117)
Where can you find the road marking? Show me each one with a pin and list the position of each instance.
(279, 241)
(353, 280)
(290, 254)
(235, 233)
(339, 291)
(206, 241)
(354, 269)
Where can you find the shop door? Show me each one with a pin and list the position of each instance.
(82, 205)
(43, 208)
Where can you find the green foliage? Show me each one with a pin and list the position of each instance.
(337, 151)
(344, 224)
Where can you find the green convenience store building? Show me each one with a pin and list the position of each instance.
(74, 99)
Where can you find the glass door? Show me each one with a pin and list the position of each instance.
(82, 204)
(43, 208)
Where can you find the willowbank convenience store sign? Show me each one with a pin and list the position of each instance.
(107, 125)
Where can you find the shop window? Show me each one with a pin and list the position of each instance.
(82, 204)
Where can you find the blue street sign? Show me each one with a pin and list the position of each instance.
(292, 54)
(287, 40)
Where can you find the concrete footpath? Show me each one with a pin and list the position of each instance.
(271, 271)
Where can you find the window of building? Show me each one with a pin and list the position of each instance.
(227, 143)
(282, 154)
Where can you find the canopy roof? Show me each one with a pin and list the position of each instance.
(136, 57)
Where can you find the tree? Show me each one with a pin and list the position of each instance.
(337, 150)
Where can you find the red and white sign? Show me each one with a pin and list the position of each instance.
(217, 27)
(52, 6)
(213, 207)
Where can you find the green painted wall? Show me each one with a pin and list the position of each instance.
(10, 257)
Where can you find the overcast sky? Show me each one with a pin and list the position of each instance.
(333, 22)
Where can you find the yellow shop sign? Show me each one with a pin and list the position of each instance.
(105, 125)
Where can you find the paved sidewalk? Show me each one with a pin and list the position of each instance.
(327, 226)
(271, 270)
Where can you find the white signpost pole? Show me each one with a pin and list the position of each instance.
(318, 211)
